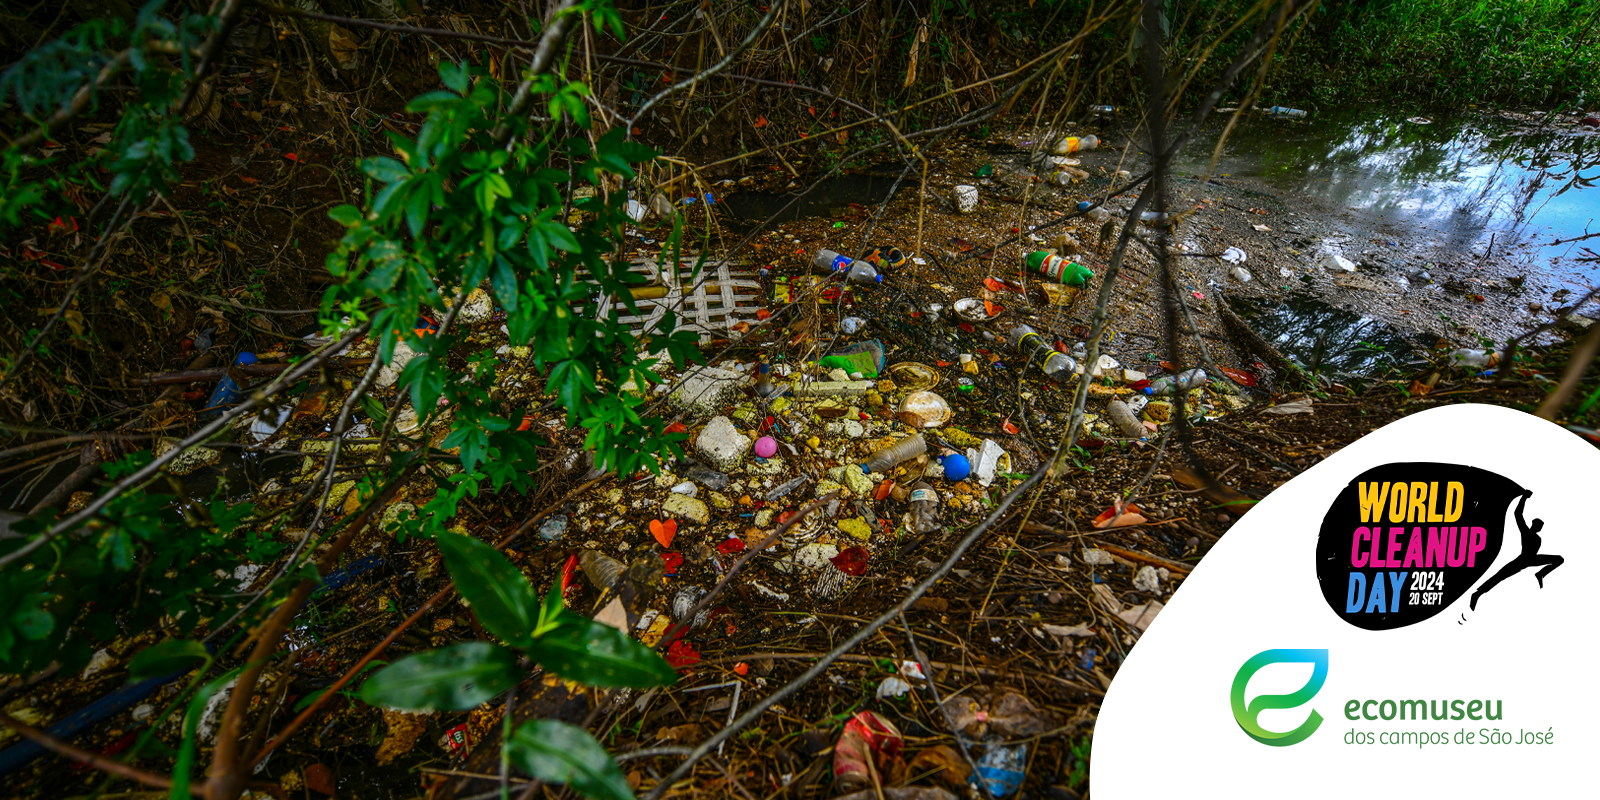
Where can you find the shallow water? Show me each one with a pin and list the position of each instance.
(831, 197)
(1327, 339)
(1454, 183)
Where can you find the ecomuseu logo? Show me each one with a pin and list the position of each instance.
(1246, 714)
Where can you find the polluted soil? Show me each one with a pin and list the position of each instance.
(1023, 636)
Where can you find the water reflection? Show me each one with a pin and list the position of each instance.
(1327, 339)
(1462, 179)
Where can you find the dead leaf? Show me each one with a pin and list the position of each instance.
(1262, 228)
(1080, 629)
(344, 49)
(942, 762)
(1141, 616)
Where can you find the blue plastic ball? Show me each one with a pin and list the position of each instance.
(956, 467)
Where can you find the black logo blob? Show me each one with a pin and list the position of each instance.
(1403, 541)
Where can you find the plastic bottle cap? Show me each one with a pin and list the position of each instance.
(246, 358)
(956, 467)
(877, 279)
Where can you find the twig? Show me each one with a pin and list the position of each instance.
(101, 763)
(1576, 365)
(695, 79)
(933, 687)
(149, 470)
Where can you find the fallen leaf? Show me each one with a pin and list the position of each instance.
(1418, 389)
(731, 546)
(1112, 518)
(682, 654)
(664, 531)
(852, 561)
(761, 122)
(671, 563)
(1239, 376)
(1081, 629)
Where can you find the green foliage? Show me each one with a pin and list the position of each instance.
(166, 657)
(453, 678)
(144, 561)
(556, 752)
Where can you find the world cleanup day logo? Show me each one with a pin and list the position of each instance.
(1403, 541)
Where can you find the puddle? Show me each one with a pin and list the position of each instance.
(830, 198)
(1450, 184)
(1328, 339)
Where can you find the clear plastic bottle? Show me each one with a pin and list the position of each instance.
(1284, 111)
(863, 273)
(1465, 357)
(1102, 109)
(1166, 384)
(924, 508)
(764, 386)
(831, 261)
(1057, 366)
(1127, 421)
(903, 450)
(602, 570)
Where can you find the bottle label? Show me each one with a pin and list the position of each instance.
(920, 495)
(1072, 144)
(841, 262)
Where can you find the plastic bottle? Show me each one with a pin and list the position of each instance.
(1127, 420)
(857, 271)
(924, 508)
(1068, 145)
(1057, 268)
(863, 273)
(1464, 357)
(1102, 109)
(1058, 366)
(1060, 178)
(903, 450)
(1285, 111)
(602, 570)
(1002, 769)
(831, 261)
(227, 392)
(764, 386)
(1191, 379)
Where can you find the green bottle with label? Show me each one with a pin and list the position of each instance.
(1058, 269)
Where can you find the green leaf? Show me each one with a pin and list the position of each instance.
(557, 752)
(453, 678)
(500, 594)
(33, 623)
(385, 169)
(166, 658)
(191, 720)
(560, 238)
(581, 649)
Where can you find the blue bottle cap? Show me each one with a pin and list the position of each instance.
(877, 279)
(956, 467)
(246, 358)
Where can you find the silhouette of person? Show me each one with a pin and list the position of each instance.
(1530, 556)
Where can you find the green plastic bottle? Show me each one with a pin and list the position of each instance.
(1058, 269)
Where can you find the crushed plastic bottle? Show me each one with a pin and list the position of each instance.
(1127, 421)
(1002, 769)
(785, 488)
(903, 450)
(924, 508)
(1464, 357)
(1167, 384)
(1057, 268)
(1057, 366)
(227, 392)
